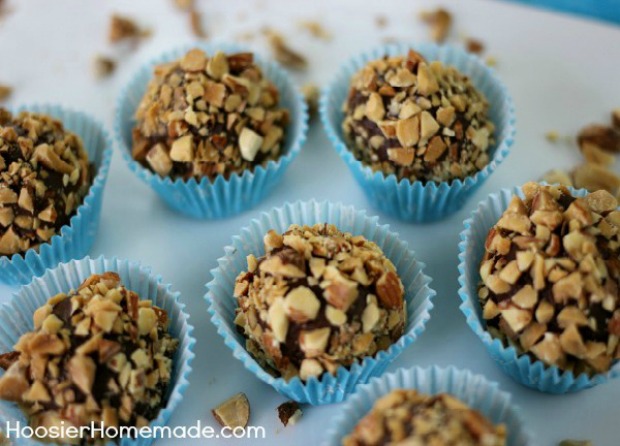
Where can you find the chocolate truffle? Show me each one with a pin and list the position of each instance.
(206, 116)
(98, 354)
(418, 120)
(44, 176)
(318, 299)
(550, 278)
(408, 417)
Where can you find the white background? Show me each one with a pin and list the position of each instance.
(561, 71)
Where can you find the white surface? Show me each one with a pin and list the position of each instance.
(562, 73)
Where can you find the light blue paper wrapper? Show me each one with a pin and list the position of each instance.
(473, 390)
(522, 368)
(16, 319)
(420, 201)
(329, 389)
(75, 239)
(221, 198)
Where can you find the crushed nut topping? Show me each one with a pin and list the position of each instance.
(408, 417)
(289, 413)
(315, 29)
(418, 120)
(311, 95)
(440, 22)
(207, 116)
(97, 354)
(234, 412)
(550, 278)
(318, 299)
(283, 53)
(103, 66)
(5, 92)
(123, 28)
(44, 176)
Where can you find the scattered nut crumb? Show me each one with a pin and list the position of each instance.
(605, 137)
(7, 359)
(185, 5)
(283, 53)
(103, 66)
(556, 176)
(491, 61)
(246, 36)
(234, 412)
(575, 443)
(5, 92)
(311, 95)
(315, 29)
(195, 21)
(289, 413)
(124, 28)
(381, 21)
(389, 39)
(615, 118)
(440, 22)
(552, 136)
(474, 46)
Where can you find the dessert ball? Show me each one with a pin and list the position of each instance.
(550, 278)
(96, 355)
(408, 417)
(418, 120)
(206, 116)
(318, 299)
(44, 176)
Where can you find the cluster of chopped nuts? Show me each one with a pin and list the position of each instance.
(234, 412)
(408, 417)
(98, 354)
(597, 143)
(207, 116)
(419, 121)
(317, 300)
(550, 278)
(44, 176)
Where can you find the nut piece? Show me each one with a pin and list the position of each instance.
(123, 28)
(440, 22)
(249, 143)
(7, 359)
(234, 412)
(182, 149)
(103, 66)
(283, 53)
(289, 412)
(301, 304)
(5, 92)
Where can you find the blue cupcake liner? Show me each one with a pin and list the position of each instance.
(521, 367)
(76, 238)
(474, 390)
(420, 201)
(328, 388)
(16, 319)
(221, 198)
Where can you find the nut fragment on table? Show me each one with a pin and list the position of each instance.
(289, 413)
(315, 29)
(408, 417)
(209, 115)
(604, 137)
(550, 276)
(416, 119)
(5, 91)
(196, 25)
(103, 66)
(96, 354)
(317, 300)
(185, 5)
(440, 23)
(381, 21)
(234, 412)
(45, 174)
(283, 53)
(124, 28)
(474, 46)
(311, 94)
